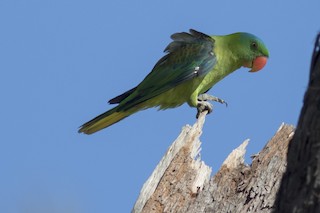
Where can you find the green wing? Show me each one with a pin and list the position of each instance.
(189, 56)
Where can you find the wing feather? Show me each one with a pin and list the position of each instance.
(189, 55)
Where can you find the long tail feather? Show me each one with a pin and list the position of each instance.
(104, 120)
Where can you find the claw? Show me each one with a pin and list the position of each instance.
(203, 106)
(207, 97)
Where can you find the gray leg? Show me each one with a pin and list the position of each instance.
(204, 105)
(207, 97)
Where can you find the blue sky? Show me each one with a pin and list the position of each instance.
(60, 62)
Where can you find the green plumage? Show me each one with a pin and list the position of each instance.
(193, 64)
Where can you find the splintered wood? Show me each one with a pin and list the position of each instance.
(179, 175)
(181, 182)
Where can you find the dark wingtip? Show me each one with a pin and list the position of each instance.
(113, 100)
(121, 97)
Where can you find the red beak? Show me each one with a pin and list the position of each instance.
(258, 63)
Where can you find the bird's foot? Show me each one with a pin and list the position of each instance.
(207, 97)
(203, 106)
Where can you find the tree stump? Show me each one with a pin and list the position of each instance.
(181, 182)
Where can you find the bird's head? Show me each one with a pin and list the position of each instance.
(251, 51)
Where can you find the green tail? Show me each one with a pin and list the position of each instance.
(104, 120)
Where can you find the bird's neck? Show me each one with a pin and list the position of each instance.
(227, 59)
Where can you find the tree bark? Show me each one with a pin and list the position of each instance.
(300, 187)
(181, 182)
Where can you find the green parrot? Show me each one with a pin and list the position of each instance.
(193, 64)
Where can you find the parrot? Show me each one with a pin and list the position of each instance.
(193, 63)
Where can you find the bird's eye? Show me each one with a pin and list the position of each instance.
(254, 45)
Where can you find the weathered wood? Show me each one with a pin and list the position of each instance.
(300, 187)
(181, 182)
(179, 174)
(238, 187)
